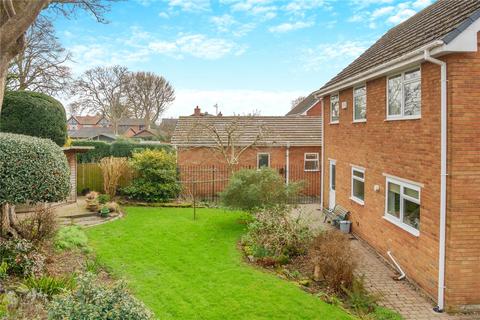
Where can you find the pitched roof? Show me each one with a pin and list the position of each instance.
(88, 120)
(303, 106)
(87, 133)
(131, 122)
(144, 133)
(443, 20)
(275, 131)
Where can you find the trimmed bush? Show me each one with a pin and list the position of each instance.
(252, 190)
(34, 114)
(32, 170)
(92, 301)
(102, 150)
(156, 177)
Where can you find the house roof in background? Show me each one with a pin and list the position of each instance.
(88, 120)
(303, 106)
(442, 20)
(131, 122)
(278, 131)
(144, 133)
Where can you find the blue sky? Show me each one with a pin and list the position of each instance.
(245, 55)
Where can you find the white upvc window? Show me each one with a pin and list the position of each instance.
(402, 205)
(334, 109)
(311, 161)
(263, 160)
(360, 104)
(404, 95)
(358, 185)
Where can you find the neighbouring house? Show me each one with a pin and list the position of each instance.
(292, 145)
(310, 106)
(402, 149)
(167, 127)
(79, 122)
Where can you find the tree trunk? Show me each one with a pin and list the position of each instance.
(8, 221)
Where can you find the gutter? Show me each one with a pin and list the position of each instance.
(322, 134)
(287, 163)
(406, 59)
(443, 181)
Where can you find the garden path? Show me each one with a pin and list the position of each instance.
(76, 213)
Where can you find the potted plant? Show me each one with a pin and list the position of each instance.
(104, 212)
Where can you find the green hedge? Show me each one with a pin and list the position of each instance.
(34, 114)
(122, 148)
(32, 170)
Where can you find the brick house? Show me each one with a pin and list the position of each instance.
(310, 106)
(292, 145)
(402, 149)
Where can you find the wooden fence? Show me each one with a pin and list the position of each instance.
(205, 181)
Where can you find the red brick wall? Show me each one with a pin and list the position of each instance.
(316, 110)
(189, 158)
(463, 219)
(410, 149)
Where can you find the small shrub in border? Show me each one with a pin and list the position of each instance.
(359, 299)
(91, 301)
(40, 226)
(48, 286)
(21, 257)
(103, 198)
(71, 237)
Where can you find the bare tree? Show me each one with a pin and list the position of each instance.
(17, 16)
(296, 101)
(229, 137)
(102, 90)
(149, 95)
(40, 65)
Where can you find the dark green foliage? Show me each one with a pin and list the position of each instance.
(103, 198)
(34, 114)
(156, 177)
(93, 301)
(71, 237)
(102, 150)
(256, 189)
(121, 148)
(20, 257)
(359, 299)
(32, 170)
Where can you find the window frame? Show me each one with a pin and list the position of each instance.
(353, 98)
(354, 177)
(402, 106)
(258, 159)
(338, 102)
(399, 221)
(317, 160)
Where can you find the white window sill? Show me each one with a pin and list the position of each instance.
(316, 170)
(335, 122)
(401, 225)
(403, 118)
(359, 201)
(359, 121)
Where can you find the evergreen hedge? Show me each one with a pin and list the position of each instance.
(34, 114)
(32, 170)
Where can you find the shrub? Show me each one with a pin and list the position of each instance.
(103, 198)
(71, 237)
(3, 270)
(332, 256)
(381, 313)
(256, 189)
(359, 299)
(21, 257)
(40, 226)
(32, 170)
(34, 114)
(113, 206)
(102, 150)
(112, 169)
(48, 286)
(156, 177)
(91, 301)
(274, 232)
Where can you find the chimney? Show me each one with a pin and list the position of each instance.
(196, 111)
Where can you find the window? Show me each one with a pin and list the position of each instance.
(403, 205)
(358, 185)
(404, 95)
(263, 160)
(311, 162)
(334, 109)
(360, 104)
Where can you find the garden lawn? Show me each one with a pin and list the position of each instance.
(186, 269)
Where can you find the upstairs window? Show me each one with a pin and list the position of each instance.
(311, 162)
(404, 95)
(360, 104)
(263, 160)
(334, 109)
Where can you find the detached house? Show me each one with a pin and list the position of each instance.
(402, 149)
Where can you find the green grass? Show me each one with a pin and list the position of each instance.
(185, 269)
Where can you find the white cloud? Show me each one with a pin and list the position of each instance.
(163, 15)
(401, 15)
(381, 12)
(304, 5)
(232, 101)
(285, 27)
(223, 23)
(196, 45)
(420, 4)
(190, 5)
(336, 54)
(263, 9)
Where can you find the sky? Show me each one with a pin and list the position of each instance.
(244, 55)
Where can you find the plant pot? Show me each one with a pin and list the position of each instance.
(345, 226)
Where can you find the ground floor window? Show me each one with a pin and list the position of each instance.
(402, 205)
(358, 185)
(311, 162)
(263, 160)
